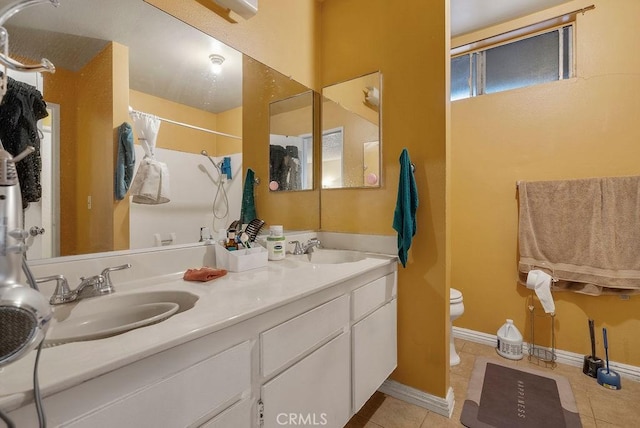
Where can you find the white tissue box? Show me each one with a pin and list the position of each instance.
(241, 260)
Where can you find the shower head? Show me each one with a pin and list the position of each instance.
(204, 153)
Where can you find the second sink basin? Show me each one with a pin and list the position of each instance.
(101, 317)
(325, 256)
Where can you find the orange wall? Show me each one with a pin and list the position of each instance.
(56, 90)
(581, 127)
(407, 43)
(120, 114)
(284, 35)
(357, 130)
(295, 210)
(94, 150)
(229, 122)
(173, 136)
(87, 153)
(176, 137)
(291, 36)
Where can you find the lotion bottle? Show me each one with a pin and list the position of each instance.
(276, 245)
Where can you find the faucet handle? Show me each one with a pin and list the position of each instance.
(62, 293)
(298, 247)
(108, 285)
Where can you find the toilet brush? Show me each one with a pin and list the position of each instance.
(592, 363)
(606, 377)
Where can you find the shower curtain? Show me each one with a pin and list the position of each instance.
(151, 182)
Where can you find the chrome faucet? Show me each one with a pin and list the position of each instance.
(306, 248)
(96, 285)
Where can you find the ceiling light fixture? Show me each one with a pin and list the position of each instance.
(217, 61)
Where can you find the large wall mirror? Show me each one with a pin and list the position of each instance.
(351, 133)
(291, 143)
(110, 56)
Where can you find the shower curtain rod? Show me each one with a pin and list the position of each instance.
(210, 131)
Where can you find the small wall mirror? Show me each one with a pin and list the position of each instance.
(351, 133)
(291, 143)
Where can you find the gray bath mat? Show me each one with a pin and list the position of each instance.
(501, 396)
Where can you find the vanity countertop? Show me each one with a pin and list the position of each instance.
(222, 302)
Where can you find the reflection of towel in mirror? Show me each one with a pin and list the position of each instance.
(277, 166)
(248, 208)
(126, 161)
(22, 106)
(151, 183)
(404, 216)
(294, 174)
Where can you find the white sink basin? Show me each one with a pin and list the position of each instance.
(325, 256)
(105, 316)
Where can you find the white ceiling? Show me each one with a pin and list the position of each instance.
(170, 59)
(472, 15)
(167, 58)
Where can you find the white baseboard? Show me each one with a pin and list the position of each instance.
(562, 357)
(439, 405)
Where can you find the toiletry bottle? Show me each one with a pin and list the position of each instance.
(276, 245)
(231, 244)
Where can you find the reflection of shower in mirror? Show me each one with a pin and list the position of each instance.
(201, 197)
(219, 188)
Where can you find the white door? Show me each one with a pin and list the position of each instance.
(43, 215)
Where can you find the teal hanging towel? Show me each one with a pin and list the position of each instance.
(404, 216)
(248, 209)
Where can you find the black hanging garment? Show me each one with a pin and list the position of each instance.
(21, 108)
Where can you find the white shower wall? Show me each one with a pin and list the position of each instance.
(193, 186)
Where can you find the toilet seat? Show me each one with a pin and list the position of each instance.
(455, 296)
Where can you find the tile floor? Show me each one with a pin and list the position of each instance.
(598, 406)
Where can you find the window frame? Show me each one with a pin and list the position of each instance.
(477, 52)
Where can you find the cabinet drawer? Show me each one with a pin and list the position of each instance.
(181, 399)
(286, 342)
(373, 295)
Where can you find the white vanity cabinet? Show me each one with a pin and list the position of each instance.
(374, 337)
(312, 361)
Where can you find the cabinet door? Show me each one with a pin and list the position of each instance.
(314, 391)
(374, 352)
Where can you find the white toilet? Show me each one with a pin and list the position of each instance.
(456, 308)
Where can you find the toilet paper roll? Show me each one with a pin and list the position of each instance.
(540, 282)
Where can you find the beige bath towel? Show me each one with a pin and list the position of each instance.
(585, 233)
